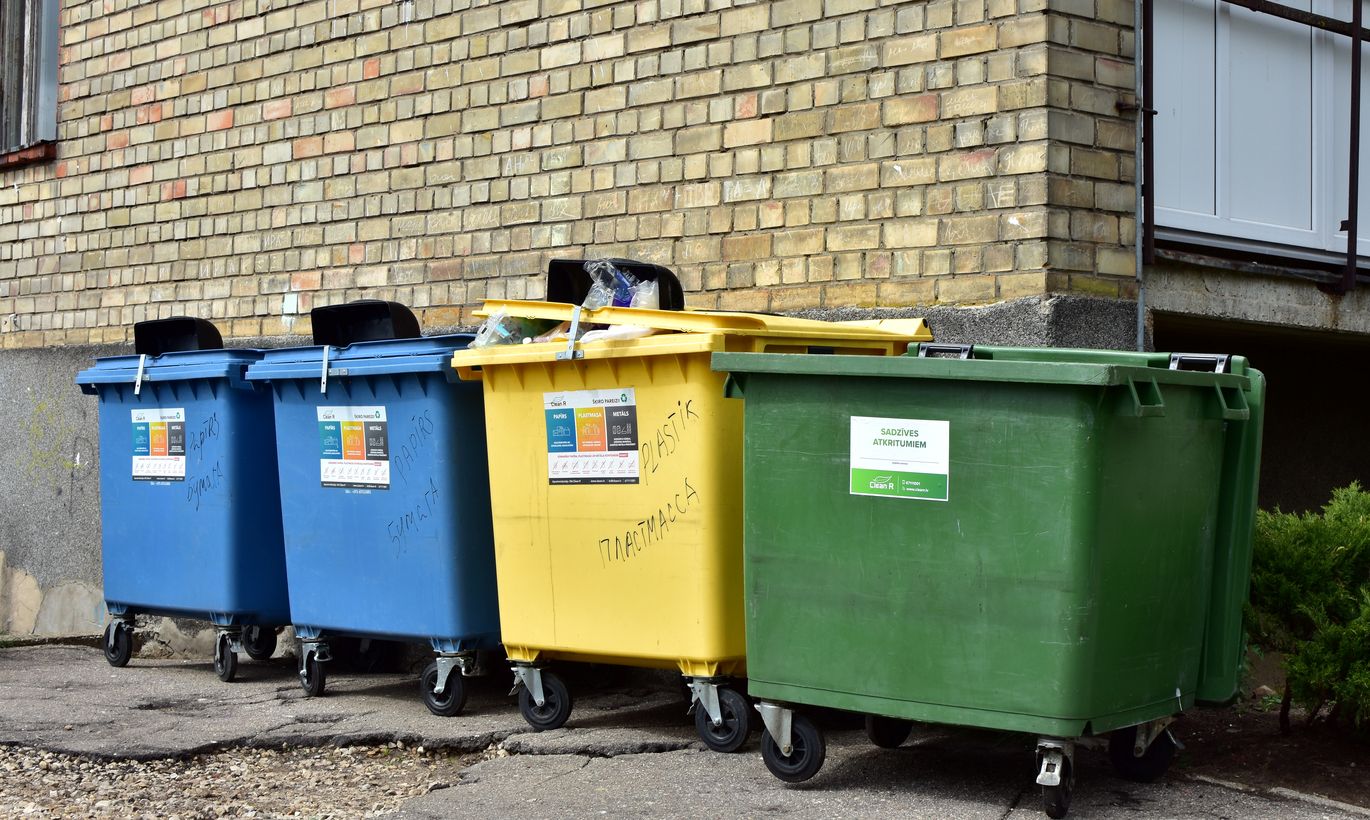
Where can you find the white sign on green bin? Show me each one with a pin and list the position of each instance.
(900, 458)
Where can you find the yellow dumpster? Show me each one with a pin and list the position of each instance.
(616, 493)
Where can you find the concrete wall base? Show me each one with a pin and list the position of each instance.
(1269, 300)
(1038, 321)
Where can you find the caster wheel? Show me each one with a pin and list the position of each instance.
(225, 659)
(313, 677)
(1145, 769)
(555, 708)
(259, 642)
(453, 698)
(737, 722)
(887, 732)
(1056, 799)
(805, 759)
(118, 643)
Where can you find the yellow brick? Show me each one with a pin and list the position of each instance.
(966, 289)
(851, 294)
(796, 298)
(920, 48)
(746, 132)
(756, 246)
(963, 41)
(1019, 285)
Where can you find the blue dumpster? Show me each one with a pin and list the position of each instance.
(386, 502)
(190, 511)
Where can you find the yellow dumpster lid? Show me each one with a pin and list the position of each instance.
(709, 321)
(687, 332)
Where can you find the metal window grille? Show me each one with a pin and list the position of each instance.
(28, 73)
(1352, 29)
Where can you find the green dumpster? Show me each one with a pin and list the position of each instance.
(1054, 542)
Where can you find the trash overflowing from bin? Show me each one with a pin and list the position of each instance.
(189, 507)
(611, 286)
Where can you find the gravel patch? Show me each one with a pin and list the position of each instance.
(354, 781)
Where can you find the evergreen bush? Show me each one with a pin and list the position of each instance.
(1310, 598)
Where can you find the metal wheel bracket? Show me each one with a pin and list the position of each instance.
(530, 678)
(1052, 755)
(1147, 734)
(778, 722)
(318, 649)
(464, 663)
(704, 692)
(471, 666)
(235, 639)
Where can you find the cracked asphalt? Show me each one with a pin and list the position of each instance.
(628, 749)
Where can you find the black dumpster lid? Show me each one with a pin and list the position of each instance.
(364, 320)
(157, 336)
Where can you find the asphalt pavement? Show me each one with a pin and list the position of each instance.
(628, 749)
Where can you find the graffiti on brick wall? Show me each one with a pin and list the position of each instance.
(57, 454)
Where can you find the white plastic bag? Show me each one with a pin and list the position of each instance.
(618, 332)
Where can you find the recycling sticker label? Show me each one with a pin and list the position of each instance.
(159, 444)
(592, 436)
(354, 448)
(900, 458)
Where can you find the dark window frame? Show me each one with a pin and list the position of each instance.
(28, 81)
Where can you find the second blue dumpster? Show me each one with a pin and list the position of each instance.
(384, 493)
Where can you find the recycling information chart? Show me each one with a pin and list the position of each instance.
(159, 444)
(900, 458)
(591, 436)
(354, 448)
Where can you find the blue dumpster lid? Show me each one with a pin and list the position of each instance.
(432, 354)
(180, 365)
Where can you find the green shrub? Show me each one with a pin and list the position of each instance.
(1310, 598)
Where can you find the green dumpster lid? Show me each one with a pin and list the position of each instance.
(998, 364)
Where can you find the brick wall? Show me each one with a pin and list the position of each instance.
(248, 160)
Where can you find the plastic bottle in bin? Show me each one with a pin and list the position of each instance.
(611, 287)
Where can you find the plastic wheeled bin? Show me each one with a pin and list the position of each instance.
(189, 510)
(615, 480)
(1054, 542)
(381, 451)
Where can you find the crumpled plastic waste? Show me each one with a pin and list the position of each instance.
(499, 328)
(610, 286)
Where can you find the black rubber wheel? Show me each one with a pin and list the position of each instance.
(118, 643)
(555, 708)
(805, 759)
(1056, 799)
(888, 732)
(225, 659)
(313, 677)
(737, 722)
(453, 698)
(259, 642)
(1147, 768)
